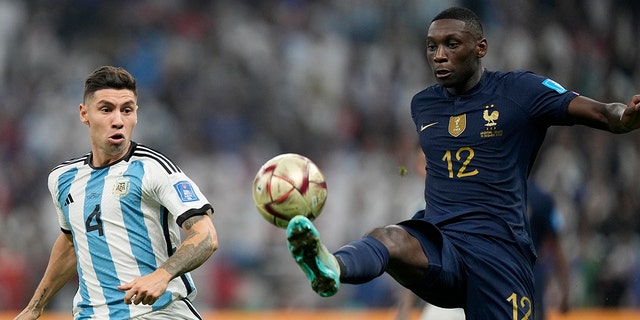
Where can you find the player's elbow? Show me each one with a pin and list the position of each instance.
(210, 244)
(213, 246)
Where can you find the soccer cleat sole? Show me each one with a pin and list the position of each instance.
(304, 246)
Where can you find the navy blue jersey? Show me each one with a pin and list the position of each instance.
(480, 147)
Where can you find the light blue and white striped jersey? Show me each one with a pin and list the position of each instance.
(125, 220)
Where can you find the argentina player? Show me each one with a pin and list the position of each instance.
(120, 208)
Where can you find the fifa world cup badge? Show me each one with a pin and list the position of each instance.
(186, 191)
(457, 124)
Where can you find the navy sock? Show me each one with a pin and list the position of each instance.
(361, 261)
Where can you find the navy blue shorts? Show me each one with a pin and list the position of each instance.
(490, 277)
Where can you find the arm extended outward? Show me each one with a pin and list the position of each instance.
(614, 117)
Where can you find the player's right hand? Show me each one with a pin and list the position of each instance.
(146, 289)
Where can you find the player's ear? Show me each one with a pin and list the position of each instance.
(481, 48)
(83, 115)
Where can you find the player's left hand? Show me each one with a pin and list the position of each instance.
(631, 116)
(28, 314)
(146, 289)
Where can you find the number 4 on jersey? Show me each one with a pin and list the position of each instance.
(94, 222)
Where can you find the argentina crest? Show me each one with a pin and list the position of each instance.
(121, 187)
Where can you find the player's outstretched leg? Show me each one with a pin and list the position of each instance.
(320, 266)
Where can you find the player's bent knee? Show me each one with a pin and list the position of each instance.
(407, 260)
(393, 237)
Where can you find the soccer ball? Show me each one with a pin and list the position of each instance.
(289, 185)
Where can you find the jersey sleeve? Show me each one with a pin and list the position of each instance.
(180, 195)
(547, 101)
(52, 184)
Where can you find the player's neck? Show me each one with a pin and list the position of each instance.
(101, 158)
(468, 85)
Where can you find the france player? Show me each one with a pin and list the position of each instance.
(120, 208)
(480, 131)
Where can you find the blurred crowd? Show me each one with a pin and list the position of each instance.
(226, 85)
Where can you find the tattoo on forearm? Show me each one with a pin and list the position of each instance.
(36, 301)
(191, 221)
(189, 256)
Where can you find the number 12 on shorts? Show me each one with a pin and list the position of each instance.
(525, 303)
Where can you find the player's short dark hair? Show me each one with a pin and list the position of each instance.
(108, 77)
(470, 19)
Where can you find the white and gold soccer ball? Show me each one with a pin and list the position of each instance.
(289, 185)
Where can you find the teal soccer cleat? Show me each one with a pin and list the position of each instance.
(320, 266)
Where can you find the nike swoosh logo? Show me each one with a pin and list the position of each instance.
(424, 126)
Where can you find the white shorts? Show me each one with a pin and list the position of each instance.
(176, 310)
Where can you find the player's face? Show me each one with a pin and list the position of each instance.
(111, 116)
(454, 55)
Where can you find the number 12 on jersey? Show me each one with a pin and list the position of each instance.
(463, 171)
